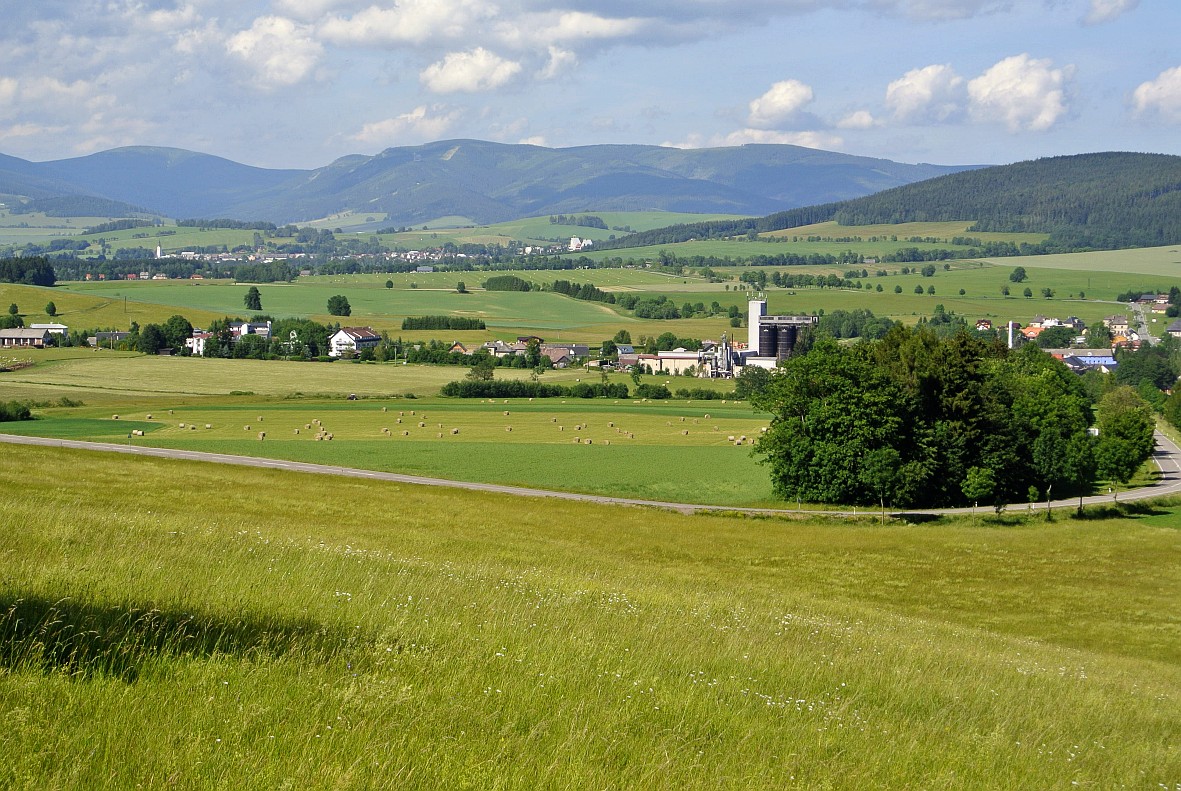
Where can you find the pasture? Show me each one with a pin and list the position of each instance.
(193, 626)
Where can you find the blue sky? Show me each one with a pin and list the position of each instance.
(298, 83)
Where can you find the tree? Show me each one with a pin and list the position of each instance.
(51, 309)
(484, 368)
(1058, 337)
(176, 330)
(1004, 291)
(1028, 292)
(338, 305)
(1048, 293)
(389, 284)
(897, 289)
(918, 289)
(253, 299)
(979, 484)
(879, 472)
(931, 290)
(1018, 275)
(151, 339)
(752, 381)
(13, 309)
(1126, 427)
(461, 287)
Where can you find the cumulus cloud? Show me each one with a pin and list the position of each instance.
(468, 72)
(1161, 96)
(1107, 10)
(560, 61)
(861, 119)
(280, 51)
(8, 88)
(1024, 93)
(932, 93)
(780, 104)
(421, 123)
(534, 140)
(409, 22)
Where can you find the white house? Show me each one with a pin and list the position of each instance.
(52, 329)
(351, 340)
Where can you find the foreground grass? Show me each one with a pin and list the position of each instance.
(193, 626)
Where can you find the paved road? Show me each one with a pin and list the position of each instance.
(1167, 457)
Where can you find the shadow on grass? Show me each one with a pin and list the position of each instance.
(85, 639)
(1132, 509)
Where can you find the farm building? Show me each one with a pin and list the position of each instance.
(351, 340)
(24, 337)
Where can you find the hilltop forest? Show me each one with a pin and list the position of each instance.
(1088, 201)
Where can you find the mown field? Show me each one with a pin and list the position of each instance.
(191, 626)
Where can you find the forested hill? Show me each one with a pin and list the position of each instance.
(1102, 201)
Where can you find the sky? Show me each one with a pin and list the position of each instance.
(299, 83)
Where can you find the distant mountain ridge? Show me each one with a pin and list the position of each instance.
(483, 181)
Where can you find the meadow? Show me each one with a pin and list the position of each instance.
(193, 626)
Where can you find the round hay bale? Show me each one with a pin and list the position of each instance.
(421, 424)
(246, 428)
(405, 433)
(731, 437)
(684, 432)
(454, 431)
(383, 409)
(577, 440)
(149, 417)
(192, 427)
(260, 418)
(182, 425)
(553, 420)
(329, 436)
(506, 413)
(308, 426)
(707, 416)
(590, 441)
(561, 428)
(170, 411)
(114, 417)
(208, 425)
(606, 442)
(508, 428)
(611, 424)
(297, 432)
(399, 420)
(401, 414)
(439, 435)
(262, 435)
(682, 418)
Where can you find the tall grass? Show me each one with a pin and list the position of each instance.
(294, 631)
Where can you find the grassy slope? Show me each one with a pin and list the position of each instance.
(374, 634)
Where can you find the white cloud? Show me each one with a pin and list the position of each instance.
(779, 104)
(475, 70)
(312, 9)
(535, 140)
(1024, 93)
(8, 88)
(861, 119)
(421, 123)
(280, 51)
(1161, 96)
(942, 10)
(409, 22)
(932, 93)
(164, 20)
(821, 140)
(1107, 10)
(560, 61)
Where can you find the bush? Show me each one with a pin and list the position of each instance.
(14, 410)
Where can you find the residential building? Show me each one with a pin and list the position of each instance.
(352, 340)
(25, 337)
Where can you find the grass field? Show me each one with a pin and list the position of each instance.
(944, 231)
(1162, 263)
(192, 626)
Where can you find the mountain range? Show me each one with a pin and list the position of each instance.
(480, 181)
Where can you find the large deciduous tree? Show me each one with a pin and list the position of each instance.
(338, 305)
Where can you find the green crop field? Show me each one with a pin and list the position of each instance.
(115, 306)
(1162, 262)
(193, 626)
(945, 231)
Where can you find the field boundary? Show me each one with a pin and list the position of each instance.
(1166, 456)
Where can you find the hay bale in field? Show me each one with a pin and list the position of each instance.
(308, 426)
(508, 428)
(137, 432)
(682, 418)
(405, 433)
(208, 425)
(743, 438)
(383, 409)
(707, 416)
(385, 431)
(114, 417)
(763, 430)
(578, 428)
(440, 425)
(260, 418)
(611, 424)
(412, 412)
(170, 411)
(730, 438)
(606, 442)
(561, 428)
(715, 428)
(553, 420)
(668, 422)
(578, 440)
(330, 436)
(439, 435)
(318, 438)
(297, 432)
(399, 420)
(192, 427)
(506, 413)
(454, 431)
(182, 425)
(262, 435)
(149, 416)
(421, 424)
(590, 441)
(684, 432)
(401, 414)
(245, 428)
